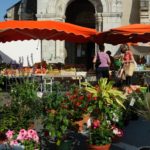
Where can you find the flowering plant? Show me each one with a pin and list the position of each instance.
(77, 101)
(27, 139)
(65, 108)
(103, 132)
(139, 100)
(133, 91)
(135, 95)
(106, 112)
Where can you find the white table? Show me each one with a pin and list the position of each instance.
(48, 79)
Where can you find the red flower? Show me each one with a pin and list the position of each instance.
(95, 98)
(77, 104)
(74, 96)
(46, 133)
(81, 97)
(128, 90)
(89, 97)
(96, 123)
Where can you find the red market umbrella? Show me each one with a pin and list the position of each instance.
(48, 30)
(44, 30)
(131, 33)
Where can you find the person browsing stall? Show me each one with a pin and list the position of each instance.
(128, 64)
(102, 71)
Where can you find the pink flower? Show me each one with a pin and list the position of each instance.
(36, 138)
(32, 134)
(134, 87)
(117, 131)
(128, 90)
(22, 135)
(14, 142)
(9, 134)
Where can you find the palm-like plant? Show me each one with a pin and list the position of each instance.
(105, 92)
(144, 107)
(106, 109)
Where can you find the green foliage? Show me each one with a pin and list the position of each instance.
(1, 81)
(62, 109)
(24, 107)
(57, 124)
(143, 108)
(106, 93)
(56, 119)
(134, 100)
(101, 135)
(106, 109)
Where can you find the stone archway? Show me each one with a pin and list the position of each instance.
(80, 13)
(106, 14)
(99, 6)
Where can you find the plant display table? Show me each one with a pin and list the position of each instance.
(48, 79)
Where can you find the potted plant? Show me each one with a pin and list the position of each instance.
(56, 119)
(20, 111)
(64, 111)
(143, 110)
(24, 139)
(134, 95)
(106, 113)
(77, 104)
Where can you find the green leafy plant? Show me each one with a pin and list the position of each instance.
(106, 112)
(143, 109)
(77, 102)
(62, 109)
(135, 95)
(23, 108)
(55, 119)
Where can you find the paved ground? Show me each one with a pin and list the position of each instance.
(136, 135)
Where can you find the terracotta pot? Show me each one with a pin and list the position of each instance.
(99, 147)
(81, 122)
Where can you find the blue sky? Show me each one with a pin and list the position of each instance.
(18, 49)
(5, 4)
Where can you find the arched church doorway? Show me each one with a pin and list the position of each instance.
(31, 9)
(80, 12)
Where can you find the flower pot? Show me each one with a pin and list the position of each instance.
(81, 122)
(99, 147)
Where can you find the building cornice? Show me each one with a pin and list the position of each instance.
(111, 14)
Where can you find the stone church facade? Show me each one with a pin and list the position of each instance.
(98, 14)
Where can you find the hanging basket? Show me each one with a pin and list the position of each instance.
(99, 147)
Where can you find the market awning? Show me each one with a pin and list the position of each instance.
(131, 33)
(44, 30)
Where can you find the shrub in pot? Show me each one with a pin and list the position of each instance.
(23, 108)
(106, 112)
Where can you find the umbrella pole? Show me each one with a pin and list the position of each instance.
(41, 54)
(41, 87)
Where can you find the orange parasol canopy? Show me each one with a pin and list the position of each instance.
(48, 30)
(131, 33)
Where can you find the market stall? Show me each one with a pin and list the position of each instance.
(43, 30)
